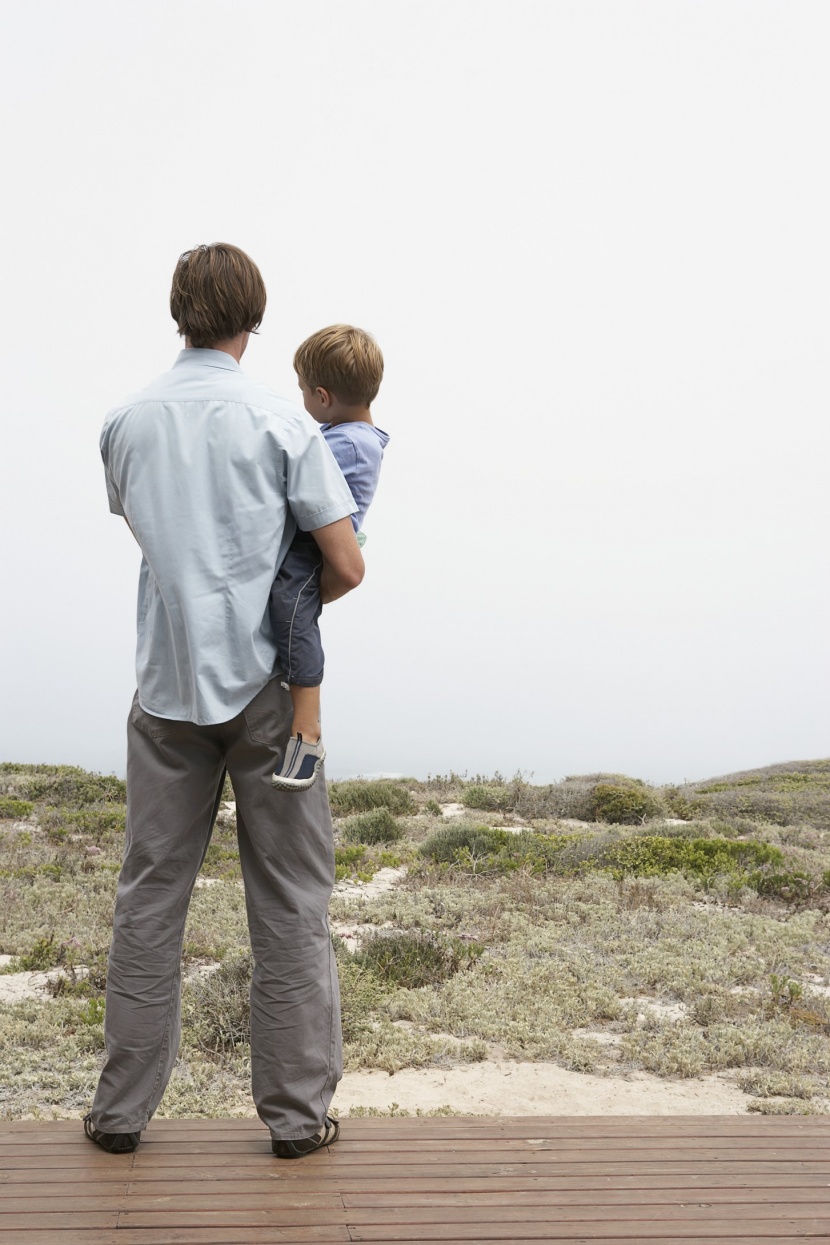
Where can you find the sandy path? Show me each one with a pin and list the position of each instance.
(496, 1088)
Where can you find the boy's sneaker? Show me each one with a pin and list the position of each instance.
(300, 765)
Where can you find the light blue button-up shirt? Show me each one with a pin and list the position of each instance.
(213, 472)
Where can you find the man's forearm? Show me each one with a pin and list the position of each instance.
(332, 585)
(343, 565)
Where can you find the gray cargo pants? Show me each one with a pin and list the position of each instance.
(175, 772)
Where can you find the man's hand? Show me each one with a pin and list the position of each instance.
(343, 565)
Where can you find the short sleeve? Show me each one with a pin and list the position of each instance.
(112, 489)
(317, 493)
(112, 494)
(359, 460)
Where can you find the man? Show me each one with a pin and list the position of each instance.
(213, 473)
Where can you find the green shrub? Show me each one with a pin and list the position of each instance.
(363, 797)
(11, 809)
(44, 953)
(784, 1106)
(379, 826)
(482, 849)
(73, 984)
(347, 862)
(651, 855)
(791, 885)
(66, 784)
(222, 860)
(93, 1012)
(679, 805)
(361, 993)
(794, 793)
(626, 804)
(495, 798)
(450, 841)
(417, 959)
(95, 821)
(216, 1008)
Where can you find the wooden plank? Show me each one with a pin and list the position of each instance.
(447, 1217)
(408, 1206)
(536, 1164)
(265, 1236)
(86, 1152)
(262, 1217)
(461, 1126)
(322, 1165)
(192, 1198)
(743, 1213)
(484, 1199)
(68, 1236)
(271, 1230)
(65, 1219)
(518, 1233)
(172, 1236)
(774, 1185)
(580, 1146)
(764, 1187)
(647, 1203)
(346, 1152)
(21, 1184)
(633, 1154)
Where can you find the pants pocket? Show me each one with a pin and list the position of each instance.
(268, 716)
(148, 724)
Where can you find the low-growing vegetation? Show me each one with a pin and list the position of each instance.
(362, 797)
(379, 826)
(598, 922)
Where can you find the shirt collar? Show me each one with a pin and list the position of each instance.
(207, 358)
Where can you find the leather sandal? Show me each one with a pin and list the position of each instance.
(327, 1136)
(113, 1143)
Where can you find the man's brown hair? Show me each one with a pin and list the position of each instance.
(217, 293)
(345, 360)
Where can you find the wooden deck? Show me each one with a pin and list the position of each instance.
(658, 1180)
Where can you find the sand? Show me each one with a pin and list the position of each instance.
(507, 1088)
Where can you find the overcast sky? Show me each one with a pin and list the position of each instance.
(591, 237)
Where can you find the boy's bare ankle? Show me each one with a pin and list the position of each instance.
(310, 734)
(306, 704)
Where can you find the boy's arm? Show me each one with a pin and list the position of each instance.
(343, 566)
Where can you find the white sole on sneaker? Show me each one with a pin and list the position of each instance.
(298, 784)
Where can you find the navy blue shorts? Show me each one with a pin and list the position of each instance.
(295, 613)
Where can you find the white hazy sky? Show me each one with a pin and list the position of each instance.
(592, 239)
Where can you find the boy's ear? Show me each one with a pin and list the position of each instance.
(324, 396)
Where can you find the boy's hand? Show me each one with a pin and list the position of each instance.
(343, 566)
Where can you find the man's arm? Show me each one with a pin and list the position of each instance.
(343, 565)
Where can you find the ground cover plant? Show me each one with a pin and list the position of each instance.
(599, 922)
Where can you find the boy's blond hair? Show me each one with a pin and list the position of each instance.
(345, 360)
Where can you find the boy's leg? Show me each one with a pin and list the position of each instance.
(175, 772)
(287, 854)
(306, 704)
(295, 614)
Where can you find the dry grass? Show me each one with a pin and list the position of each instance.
(532, 945)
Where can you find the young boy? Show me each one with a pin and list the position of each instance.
(339, 371)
